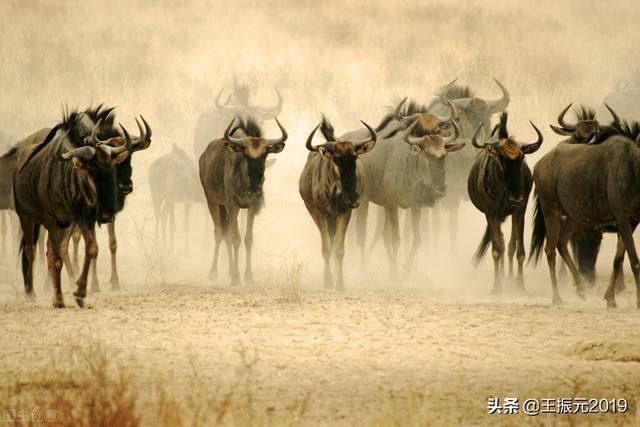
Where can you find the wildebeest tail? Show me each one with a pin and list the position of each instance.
(482, 248)
(539, 233)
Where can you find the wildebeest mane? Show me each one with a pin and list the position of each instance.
(9, 152)
(249, 126)
(459, 92)
(627, 129)
(584, 112)
(502, 128)
(327, 129)
(409, 108)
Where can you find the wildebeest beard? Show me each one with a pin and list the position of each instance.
(427, 176)
(109, 202)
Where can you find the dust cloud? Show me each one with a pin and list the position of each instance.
(415, 339)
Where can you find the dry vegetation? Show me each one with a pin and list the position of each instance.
(174, 349)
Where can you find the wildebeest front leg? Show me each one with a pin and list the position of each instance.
(497, 251)
(342, 223)
(248, 244)
(415, 238)
(625, 230)
(75, 235)
(55, 263)
(517, 219)
(90, 256)
(618, 260)
(113, 248)
(3, 231)
(28, 253)
(392, 239)
(233, 244)
(361, 229)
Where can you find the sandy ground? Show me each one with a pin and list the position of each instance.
(366, 356)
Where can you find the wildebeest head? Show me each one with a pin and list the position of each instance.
(238, 104)
(510, 155)
(101, 155)
(584, 130)
(472, 110)
(343, 155)
(247, 140)
(426, 139)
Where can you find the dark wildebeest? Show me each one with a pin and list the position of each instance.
(124, 172)
(66, 176)
(472, 112)
(330, 185)
(232, 175)
(173, 179)
(212, 122)
(405, 170)
(586, 241)
(499, 184)
(595, 185)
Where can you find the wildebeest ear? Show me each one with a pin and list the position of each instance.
(365, 148)
(491, 149)
(269, 163)
(324, 152)
(638, 140)
(454, 146)
(275, 148)
(234, 148)
(416, 149)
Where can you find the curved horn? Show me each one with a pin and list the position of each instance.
(231, 139)
(280, 140)
(499, 105)
(533, 147)
(128, 143)
(411, 140)
(616, 118)
(396, 112)
(561, 121)
(217, 101)
(273, 112)
(83, 153)
(444, 90)
(374, 136)
(561, 131)
(474, 139)
(452, 108)
(456, 133)
(310, 138)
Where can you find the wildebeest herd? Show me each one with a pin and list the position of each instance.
(68, 178)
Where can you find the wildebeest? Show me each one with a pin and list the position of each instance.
(67, 175)
(405, 170)
(212, 122)
(232, 175)
(586, 241)
(173, 179)
(499, 184)
(590, 185)
(124, 186)
(330, 186)
(472, 111)
(624, 99)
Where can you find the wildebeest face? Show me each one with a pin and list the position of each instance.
(344, 156)
(510, 155)
(254, 151)
(433, 148)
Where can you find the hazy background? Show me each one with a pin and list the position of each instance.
(168, 59)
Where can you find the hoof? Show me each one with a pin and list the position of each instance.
(58, 304)
(582, 294)
(80, 302)
(340, 287)
(115, 285)
(249, 279)
(95, 287)
(612, 304)
(497, 290)
(557, 300)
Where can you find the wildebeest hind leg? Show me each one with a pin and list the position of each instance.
(610, 294)
(361, 230)
(416, 212)
(512, 244)
(342, 223)
(28, 253)
(566, 232)
(113, 248)
(90, 256)
(624, 228)
(552, 221)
